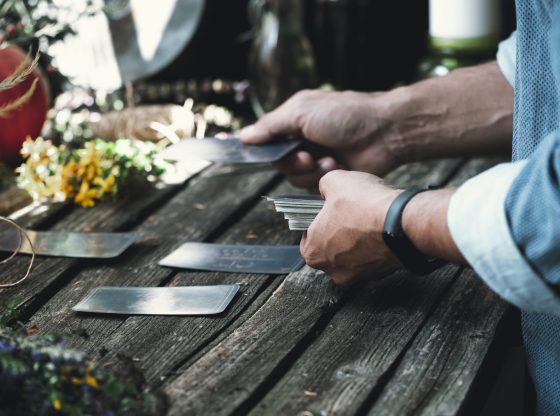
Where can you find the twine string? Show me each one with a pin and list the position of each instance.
(22, 233)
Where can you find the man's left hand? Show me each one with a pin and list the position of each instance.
(345, 239)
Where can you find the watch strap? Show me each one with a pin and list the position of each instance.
(399, 243)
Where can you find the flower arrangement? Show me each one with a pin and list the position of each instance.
(40, 376)
(96, 171)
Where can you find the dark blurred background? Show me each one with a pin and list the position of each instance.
(358, 44)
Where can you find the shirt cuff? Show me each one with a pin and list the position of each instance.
(506, 57)
(478, 224)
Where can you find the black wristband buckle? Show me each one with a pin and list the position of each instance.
(399, 243)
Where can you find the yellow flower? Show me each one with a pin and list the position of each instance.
(69, 173)
(85, 196)
(76, 381)
(92, 382)
(106, 185)
(57, 404)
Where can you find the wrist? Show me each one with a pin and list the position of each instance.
(398, 110)
(424, 221)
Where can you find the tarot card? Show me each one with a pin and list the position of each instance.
(69, 244)
(299, 210)
(228, 151)
(182, 300)
(235, 258)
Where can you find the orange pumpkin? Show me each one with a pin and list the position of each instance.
(27, 119)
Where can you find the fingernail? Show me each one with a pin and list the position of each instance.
(253, 134)
(247, 132)
(326, 165)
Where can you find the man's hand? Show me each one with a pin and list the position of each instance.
(350, 124)
(345, 239)
(466, 113)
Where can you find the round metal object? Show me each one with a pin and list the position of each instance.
(130, 40)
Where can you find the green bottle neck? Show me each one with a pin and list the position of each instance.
(481, 46)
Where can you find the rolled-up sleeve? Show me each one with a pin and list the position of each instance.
(478, 222)
(533, 210)
(506, 57)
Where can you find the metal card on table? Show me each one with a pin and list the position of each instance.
(69, 244)
(185, 300)
(236, 258)
(228, 150)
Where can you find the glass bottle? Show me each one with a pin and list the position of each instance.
(281, 61)
(462, 33)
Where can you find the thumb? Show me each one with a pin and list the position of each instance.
(276, 123)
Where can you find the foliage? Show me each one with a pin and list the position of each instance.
(26, 21)
(93, 172)
(34, 25)
(40, 376)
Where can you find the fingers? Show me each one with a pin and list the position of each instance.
(297, 163)
(282, 121)
(328, 181)
(255, 134)
(344, 276)
(303, 171)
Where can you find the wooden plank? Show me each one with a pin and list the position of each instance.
(235, 368)
(373, 350)
(473, 167)
(431, 172)
(155, 335)
(437, 373)
(240, 366)
(177, 340)
(12, 199)
(358, 347)
(49, 274)
(189, 215)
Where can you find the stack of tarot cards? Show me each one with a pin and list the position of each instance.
(299, 210)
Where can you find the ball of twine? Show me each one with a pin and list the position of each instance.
(139, 122)
(22, 235)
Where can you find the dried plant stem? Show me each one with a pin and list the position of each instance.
(13, 105)
(22, 234)
(20, 73)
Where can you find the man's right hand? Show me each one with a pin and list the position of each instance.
(466, 113)
(348, 125)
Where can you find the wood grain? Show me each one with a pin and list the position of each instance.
(358, 347)
(50, 274)
(176, 340)
(367, 349)
(437, 373)
(12, 199)
(238, 369)
(179, 219)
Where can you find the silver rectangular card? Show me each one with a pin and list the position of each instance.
(235, 258)
(183, 300)
(228, 150)
(68, 244)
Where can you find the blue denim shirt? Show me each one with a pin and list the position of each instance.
(533, 200)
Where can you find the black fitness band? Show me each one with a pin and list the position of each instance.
(399, 243)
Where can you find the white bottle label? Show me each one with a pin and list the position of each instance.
(464, 19)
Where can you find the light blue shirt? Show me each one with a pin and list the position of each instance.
(506, 221)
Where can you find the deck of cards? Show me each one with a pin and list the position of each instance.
(228, 151)
(299, 210)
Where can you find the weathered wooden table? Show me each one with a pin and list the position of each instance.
(292, 344)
